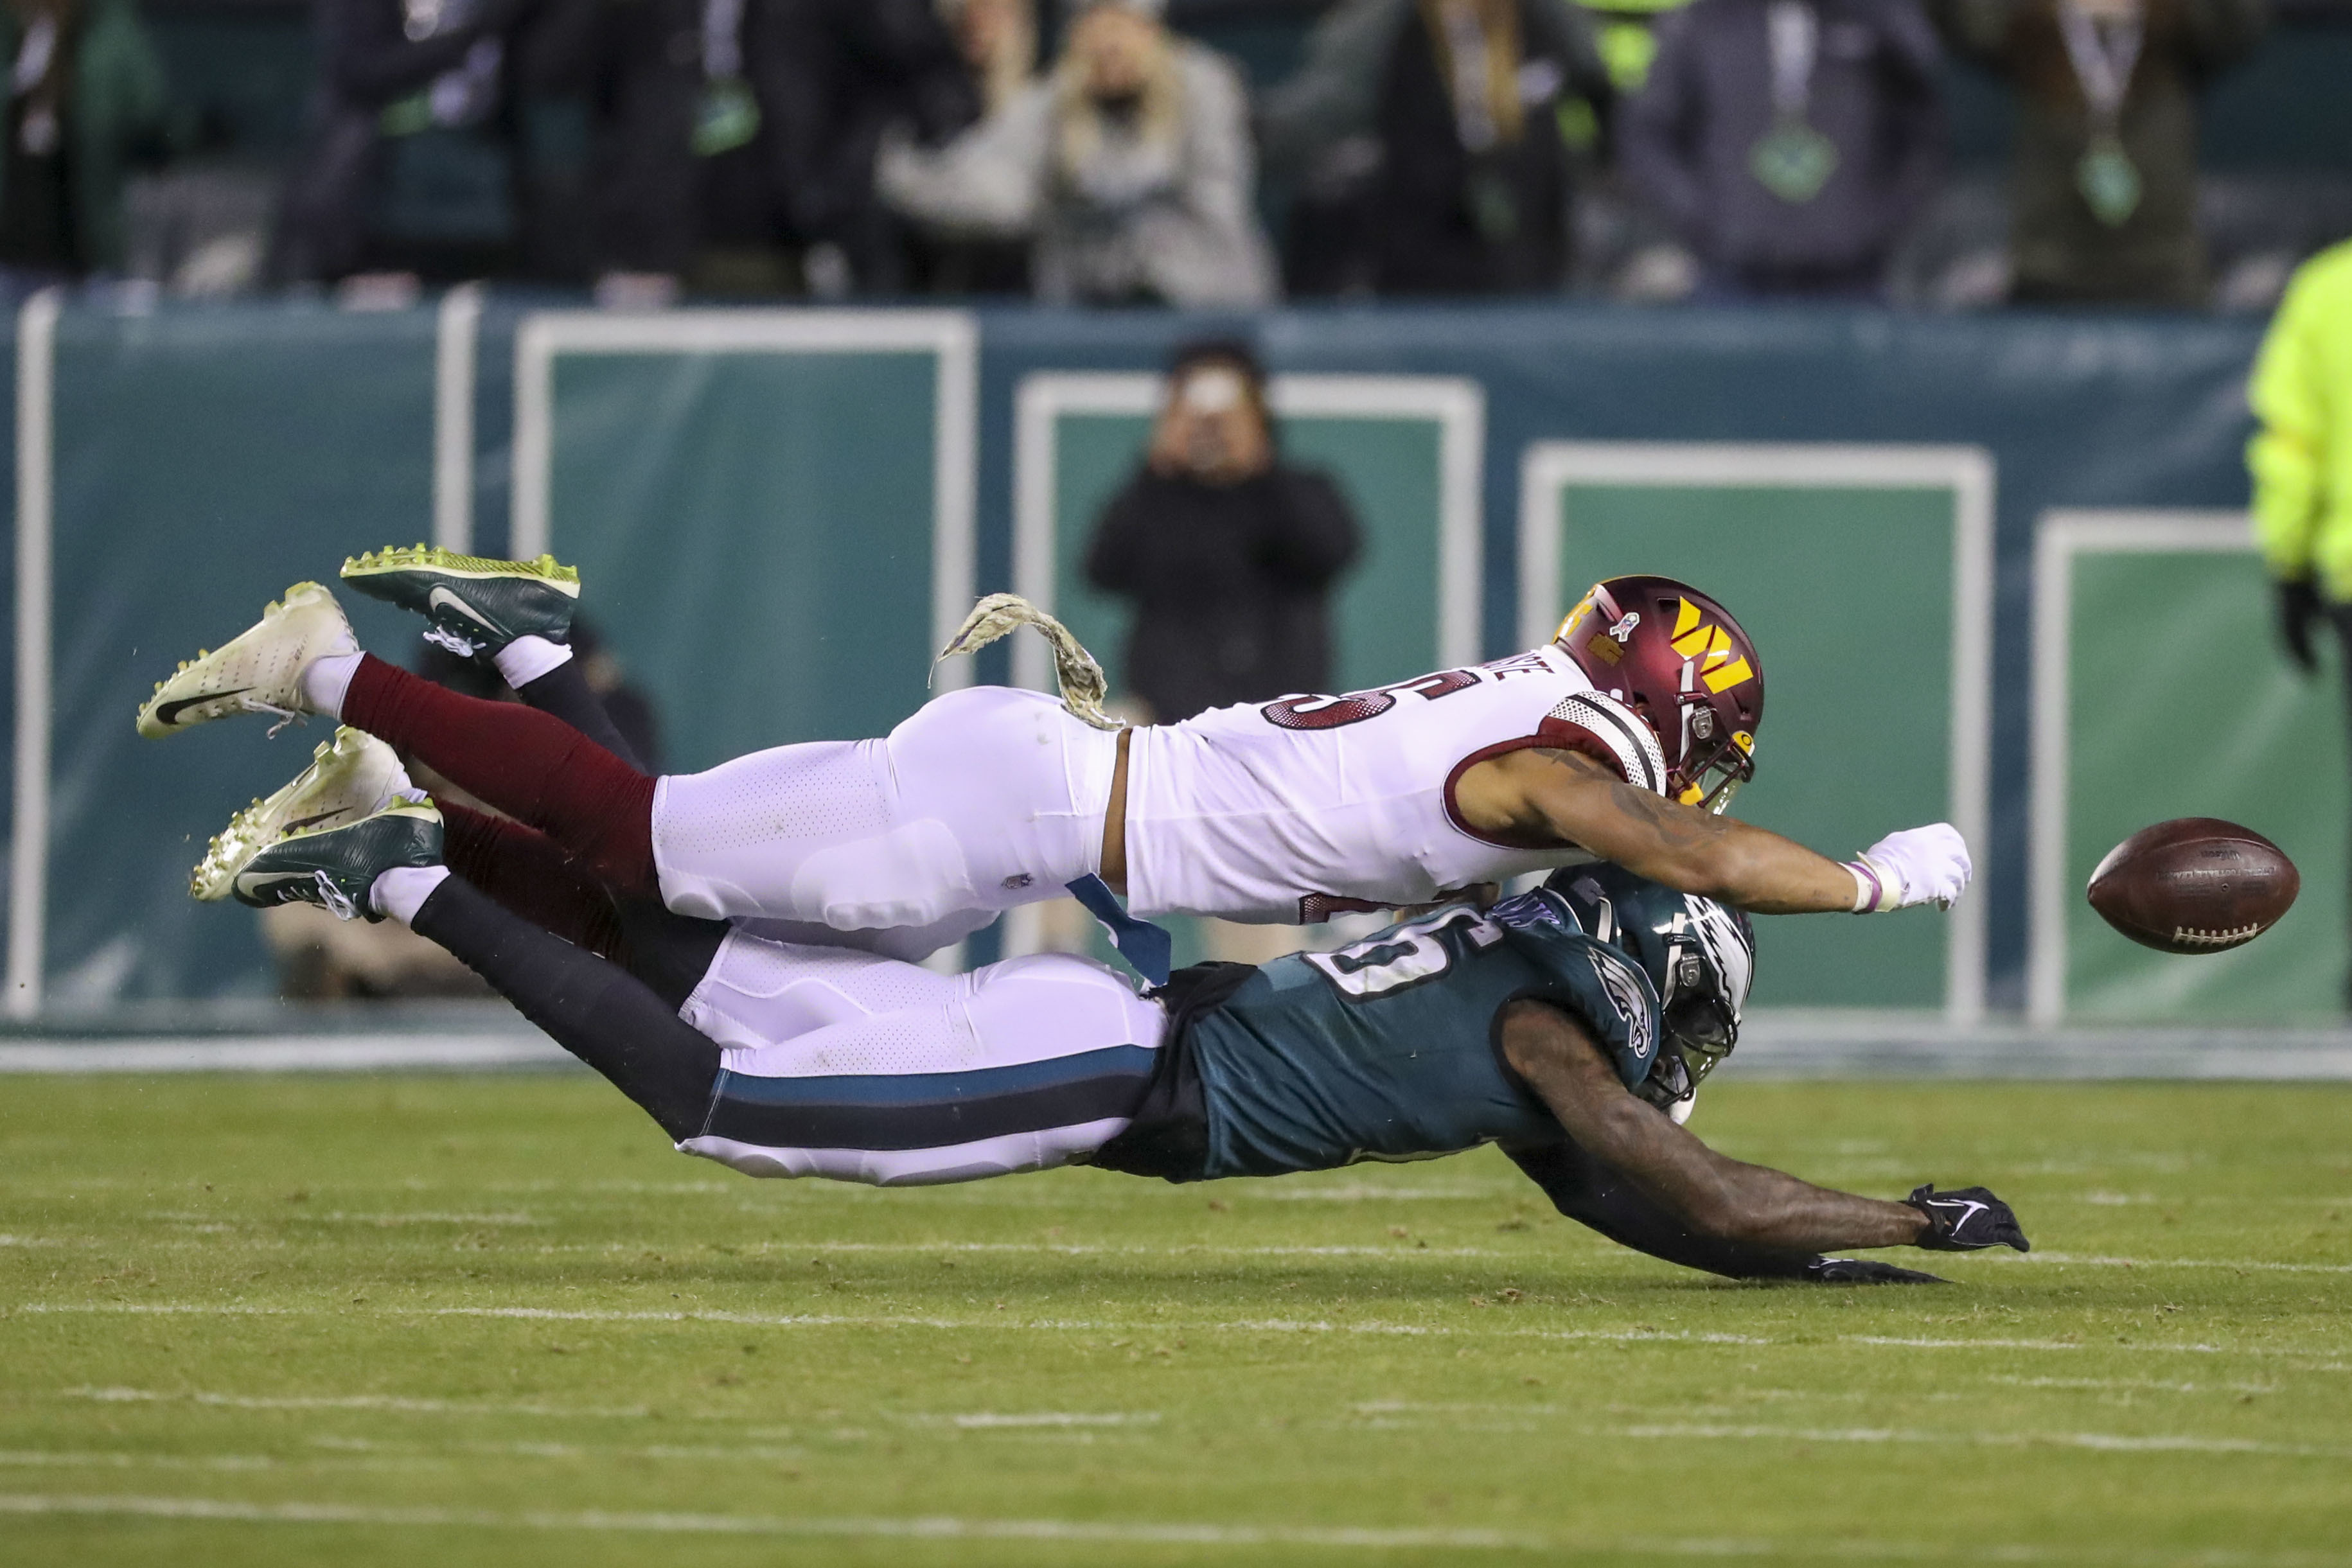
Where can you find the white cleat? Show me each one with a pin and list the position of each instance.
(349, 777)
(259, 671)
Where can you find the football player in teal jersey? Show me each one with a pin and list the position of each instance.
(1568, 1025)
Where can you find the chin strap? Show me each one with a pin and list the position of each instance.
(1074, 670)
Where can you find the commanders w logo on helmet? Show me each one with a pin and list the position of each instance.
(1678, 659)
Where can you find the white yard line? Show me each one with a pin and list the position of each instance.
(1811, 1548)
(2106, 1442)
(352, 1402)
(984, 1420)
(752, 1454)
(917, 1529)
(359, 1453)
(1384, 1414)
(336, 1217)
(1395, 1251)
(2313, 1359)
(2135, 1385)
(2247, 1264)
(116, 1460)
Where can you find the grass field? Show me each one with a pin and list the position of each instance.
(494, 1320)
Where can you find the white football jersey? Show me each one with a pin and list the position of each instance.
(1297, 810)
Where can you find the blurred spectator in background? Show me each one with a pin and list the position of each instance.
(462, 138)
(1431, 142)
(2302, 460)
(997, 41)
(631, 710)
(622, 76)
(1788, 141)
(1129, 169)
(832, 77)
(2103, 198)
(1227, 554)
(85, 95)
(389, 71)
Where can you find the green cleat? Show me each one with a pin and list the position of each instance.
(335, 868)
(258, 671)
(476, 605)
(350, 777)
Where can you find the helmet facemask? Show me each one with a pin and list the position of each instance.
(1709, 960)
(1716, 760)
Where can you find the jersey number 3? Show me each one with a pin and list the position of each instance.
(1403, 956)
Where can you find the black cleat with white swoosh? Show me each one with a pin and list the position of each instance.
(477, 604)
(1965, 1219)
(336, 867)
(350, 777)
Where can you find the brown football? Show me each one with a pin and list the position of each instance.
(2194, 884)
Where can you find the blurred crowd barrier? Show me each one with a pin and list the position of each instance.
(1997, 566)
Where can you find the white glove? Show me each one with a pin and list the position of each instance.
(1917, 865)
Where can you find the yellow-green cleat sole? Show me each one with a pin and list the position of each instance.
(477, 604)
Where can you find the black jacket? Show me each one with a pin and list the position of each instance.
(830, 77)
(1229, 583)
(1448, 220)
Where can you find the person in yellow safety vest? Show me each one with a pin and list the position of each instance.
(2301, 459)
(2302, 456)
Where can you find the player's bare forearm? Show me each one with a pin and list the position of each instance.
(1714, 1195)
(1562, 795)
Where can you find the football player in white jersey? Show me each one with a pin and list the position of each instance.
(1622, 739)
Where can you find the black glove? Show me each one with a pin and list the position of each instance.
(2298, 607)
(1967, 1220)
(1863, 1271)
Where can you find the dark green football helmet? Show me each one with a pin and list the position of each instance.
(1700, 956)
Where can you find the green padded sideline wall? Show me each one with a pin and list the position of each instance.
(1403, 451)
(2158, 694)
(204, 460)
(1862, 576)
(771, 511)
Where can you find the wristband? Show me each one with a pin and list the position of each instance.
(1869, 892)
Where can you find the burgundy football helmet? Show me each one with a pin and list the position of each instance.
(1678, 659)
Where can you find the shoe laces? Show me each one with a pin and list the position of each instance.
(458, 642)
(334, 899)
(286, 716)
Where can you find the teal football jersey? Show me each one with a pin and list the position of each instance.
(1388, 1049)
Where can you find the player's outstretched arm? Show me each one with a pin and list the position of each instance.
(1593, 1195)
(1536, 794)
(1719, 1197)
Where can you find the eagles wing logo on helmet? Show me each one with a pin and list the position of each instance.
(1699, 956)
(1679, 660)
(1630, 997)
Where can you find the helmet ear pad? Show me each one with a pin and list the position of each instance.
(1674, 656)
